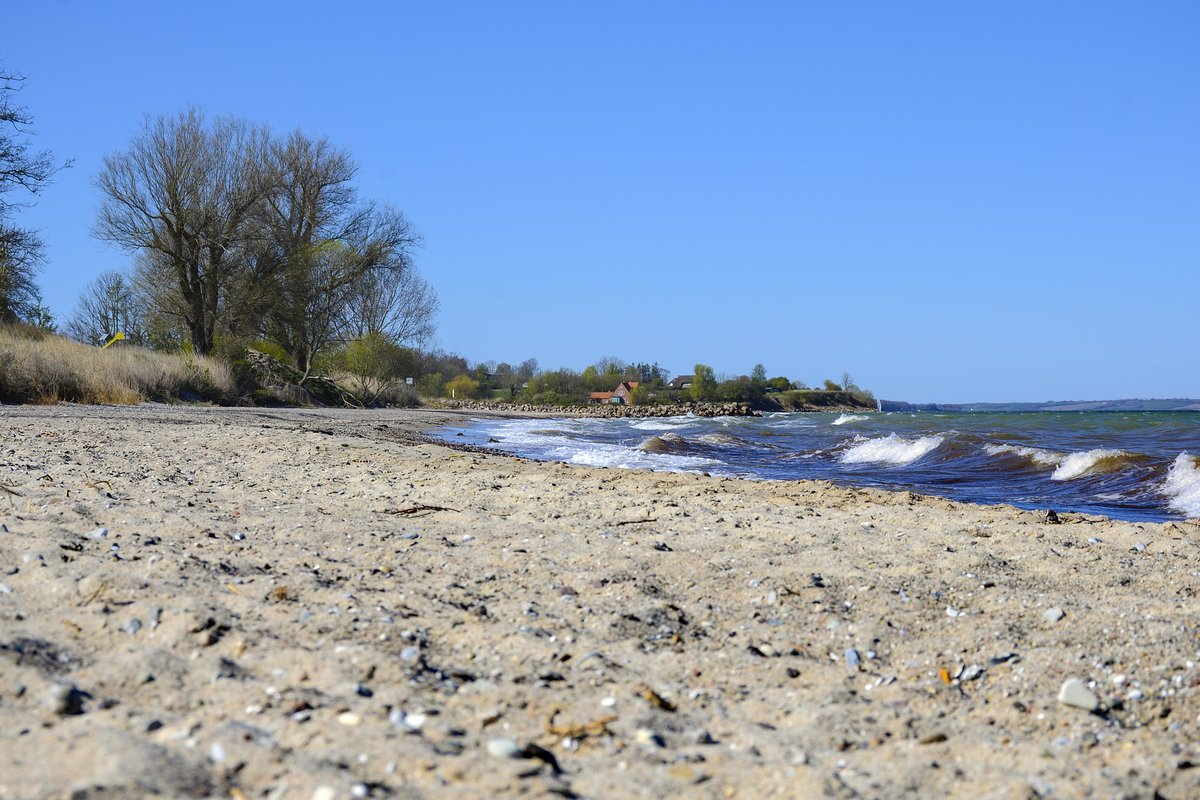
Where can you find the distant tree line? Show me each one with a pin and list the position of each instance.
(565, 386)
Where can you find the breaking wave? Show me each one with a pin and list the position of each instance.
(1182, 486)
(891, 449)
(844, 418)
(1034, 455)
(1089, 461)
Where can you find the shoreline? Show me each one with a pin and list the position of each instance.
(328, 604)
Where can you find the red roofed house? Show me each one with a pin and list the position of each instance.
(619, 396)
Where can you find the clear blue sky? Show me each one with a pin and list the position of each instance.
(952, 201)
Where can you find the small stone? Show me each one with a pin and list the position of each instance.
(324, 793)
(99, 533)
(951, 611)
(132, 626)
(971, 673)
(216, 753)
(409, 723)
(852, 658)
(65, 700)
(410, 654)
(1053, 614)
(349, 719)
(649, 738)
(503, 748)
(1074, 692)
(5, 588)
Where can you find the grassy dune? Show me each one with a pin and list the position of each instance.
(36, 367)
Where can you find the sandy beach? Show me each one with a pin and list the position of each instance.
(277, 603)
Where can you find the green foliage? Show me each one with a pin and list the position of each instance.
(376, 363)
(464, 387)
(556, 387)
(273, 349)
(704, 384)
(431, 385)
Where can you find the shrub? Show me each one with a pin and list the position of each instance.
(464, 387)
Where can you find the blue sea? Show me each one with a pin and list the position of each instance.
(1132, 466)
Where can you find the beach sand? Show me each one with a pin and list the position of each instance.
(254, 603)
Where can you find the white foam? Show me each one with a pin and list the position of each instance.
(891, 449)
(721, 439)
(1047, 458)
(844, 418)
(608, 455)
(1077, 464)
(1182, 486)
(667, 424)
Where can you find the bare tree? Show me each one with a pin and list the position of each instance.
(107, 305)
(184, 193)
(321, 250)
(21, 168)
(397, 303)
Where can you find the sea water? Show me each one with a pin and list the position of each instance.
(1133, 466)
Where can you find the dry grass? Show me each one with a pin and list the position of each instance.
(40, 368)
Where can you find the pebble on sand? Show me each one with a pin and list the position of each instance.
(65, 700)
(503, 748)
(1054, 614)
(1074, 692)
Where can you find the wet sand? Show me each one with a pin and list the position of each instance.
(256, 603)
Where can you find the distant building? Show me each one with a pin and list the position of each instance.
(622, 395)
(682, 382)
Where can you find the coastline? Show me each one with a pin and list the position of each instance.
(327, 602)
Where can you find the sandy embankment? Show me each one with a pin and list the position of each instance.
(315, 604)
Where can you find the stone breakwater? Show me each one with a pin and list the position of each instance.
(611, 411)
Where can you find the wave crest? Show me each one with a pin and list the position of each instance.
(891, 449)
(844, 418)
(1182, 486)
(1045, 458)
(1078, 464)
